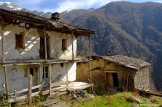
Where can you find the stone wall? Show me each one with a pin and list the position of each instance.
(99, 67)
(142, 79)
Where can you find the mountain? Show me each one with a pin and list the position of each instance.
(9, 6)
(133, 29)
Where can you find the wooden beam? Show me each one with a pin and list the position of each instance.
(6, 81)
(89, 39)
(90, 73)
(3, 41)
(49, 77)
(67, 78)
(127, 81)
(11, 17)
(72, 46)
(45, 44)
(30, 89)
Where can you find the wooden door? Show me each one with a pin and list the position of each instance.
(112, 80)
(42, 48)
(109, 80)
(48, 47)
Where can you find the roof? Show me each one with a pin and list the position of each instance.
(126, 61)
(41, 22)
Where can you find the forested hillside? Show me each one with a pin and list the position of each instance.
(133, 29)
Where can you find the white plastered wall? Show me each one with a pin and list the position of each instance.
(31, 39)
(56, 45)
(16, 79)
(62, 72)
(32, 44)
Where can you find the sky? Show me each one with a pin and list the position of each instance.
(64, 5)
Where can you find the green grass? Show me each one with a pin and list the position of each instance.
(119, 99)
(98, 101)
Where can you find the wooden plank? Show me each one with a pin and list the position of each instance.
(6, 79)
(45, 44)
(35, 87)
(127, 82)
(35, 93)
(22, 91)
(90, 73)
(18, 98)
(3, 41)
(30, 89)
(72, 46)
(49, 77)
(67, 82)
(25, 90)
(55, 84)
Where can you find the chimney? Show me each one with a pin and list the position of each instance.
(55, 16)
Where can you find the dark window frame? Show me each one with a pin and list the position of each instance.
(64, 44)
(19, 41)
(31, 71)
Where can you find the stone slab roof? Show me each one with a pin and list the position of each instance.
(126, 61)
(38, 21)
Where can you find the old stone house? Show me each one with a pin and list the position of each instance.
(37, 46)
(117, 71)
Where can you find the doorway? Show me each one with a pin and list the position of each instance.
(42, 47)
(48, 47)
(112, 79)
(34, 73)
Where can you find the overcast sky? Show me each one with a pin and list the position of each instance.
(64, 5)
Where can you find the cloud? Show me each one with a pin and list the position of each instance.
(68, 5)
(29, 2)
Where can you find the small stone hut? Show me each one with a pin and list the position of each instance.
(117, 71)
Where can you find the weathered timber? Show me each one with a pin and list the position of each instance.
(30, 89)
(6, 80)
(72, 46)
(49, 77)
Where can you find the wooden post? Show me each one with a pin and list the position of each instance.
(49, 77)
(67, 83)
(15, 95)
(6, 79)
(89, 38)
(90, 58)
(72, 47)
(124, 83)
(90, 73)
(30, 89)
(3, 41)
(127, 82)
(45, 44)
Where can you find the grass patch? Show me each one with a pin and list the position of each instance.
(98, 101)
(118, 99)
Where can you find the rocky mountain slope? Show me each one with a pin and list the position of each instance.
(133, 29)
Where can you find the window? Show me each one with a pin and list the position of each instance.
(19, 39)
(45, 72)
(64, 44)
(32, 71)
